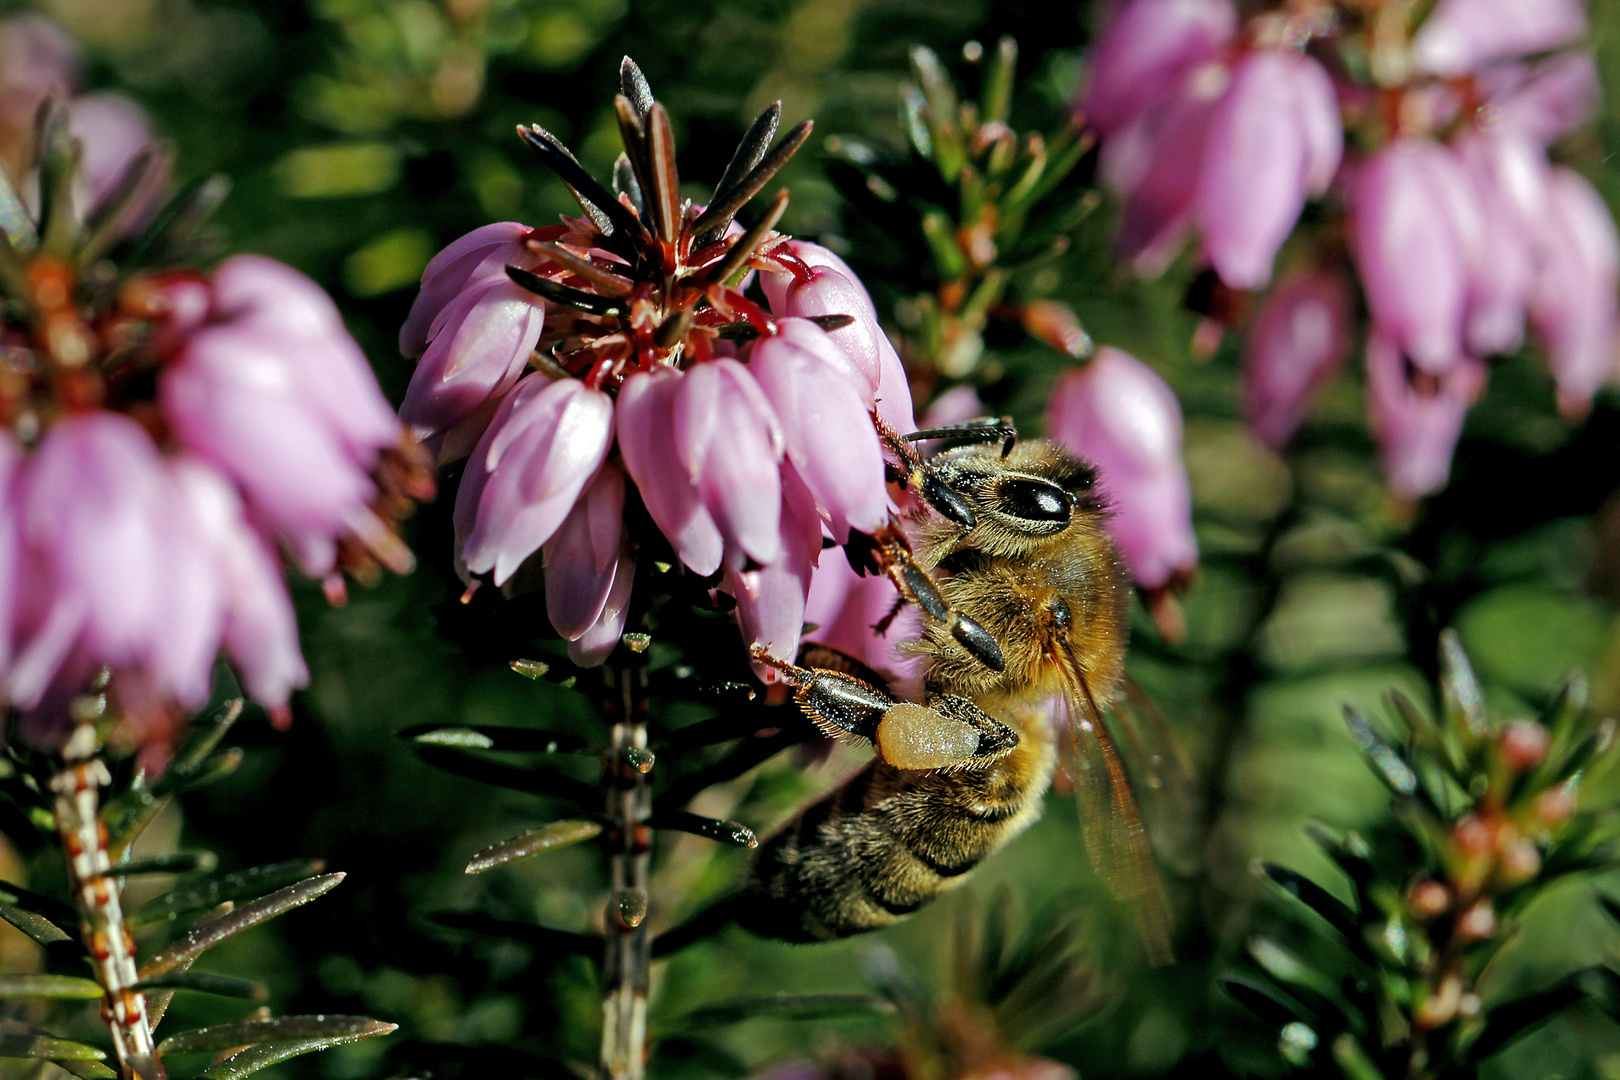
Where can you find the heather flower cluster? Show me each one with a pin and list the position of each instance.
(168, 439)
(1426, 135)
(745, 431)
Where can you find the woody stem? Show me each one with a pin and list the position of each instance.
(625, 970)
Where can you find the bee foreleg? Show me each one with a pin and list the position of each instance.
(915, 585)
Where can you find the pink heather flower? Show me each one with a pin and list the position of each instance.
(92, 514)
(1416, 233)
(1118, 414)
(544, 445)
(1460, 36)
(770, 600)
(1417, 417)
(646, 431)
(589, 570)
(729, 440)
(284, 407)
(1573, 306)
(1545, 102)
(1147, 47)
(1275, 137)
(844, 607)
(1509, 175)
(1299, 339)
(1152, 164)
(37, 60)
(474, 330)
(827, 429)
(835, 290)
(114, 132)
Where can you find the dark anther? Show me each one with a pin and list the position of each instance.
(832, 322)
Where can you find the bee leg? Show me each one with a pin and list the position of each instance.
(983, 429)
(840, 705)
(949, 731)
(915, 585)
(914, 471)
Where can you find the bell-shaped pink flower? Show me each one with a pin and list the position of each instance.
(646, 430)
(1300, 337)
(542, 448)
(827, 428)
(113, 131)
(253, 292)
(593, 646)
(1573, 306)
(1274, 138)
(91, 511)
(261, 630)
(1461, 36)
(1417, 417)
(770, 599)
(582, 555)
(1416, 232)
(1509, 174)
(730, 441)
(1119, 415)
(1147, 47)
(845, 608)
(11, 460)
(1544, 102)
(201, 509)
(479, 253)
(1153, 165)
(235, 400)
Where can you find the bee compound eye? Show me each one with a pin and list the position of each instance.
(1034, 500)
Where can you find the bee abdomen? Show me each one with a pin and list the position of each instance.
(884, 845)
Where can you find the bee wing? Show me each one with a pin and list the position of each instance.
(1164, 787)
(1116, 840)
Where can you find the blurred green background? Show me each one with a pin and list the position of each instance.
(363, 135)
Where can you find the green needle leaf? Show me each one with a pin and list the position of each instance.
(48, 986)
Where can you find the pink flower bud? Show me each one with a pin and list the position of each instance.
(646, 430)
(1116, 413)
(770, 600)
(828, 431)
(831, 291)
(1573, 303)
(1147, 47)
(1417, 417)
(1153, 164)
(582, 557)
(486, 252)
(1509, 173)
(544, 445)
(730, 441)
(1524, 745)
(92, 508)
(1274, 137)
(1416, 229)
(1460, 36)
(1544, 102)
(1299, 339)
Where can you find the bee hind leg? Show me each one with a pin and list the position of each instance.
(947, 732)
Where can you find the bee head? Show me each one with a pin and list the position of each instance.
(1036, 491)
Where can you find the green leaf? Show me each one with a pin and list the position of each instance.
(996, 96)
(1272, 1008)
(211, 893)
(48, 986)
(35, 925)
(1508, 1021)
(254, 1058)
(524, 845)
(1294, 972)
(1392, 768)
(542, 938)
(87, 1070)
(526, 778)
(218, 985)
(19, 1040)
(179, 862)
(280, 1029)
(1318, 899)
(785, 1007)
(58, 913)
(1459, 688)
(490, 737)
(207, 935)
(1353, 1060)
(728, 832)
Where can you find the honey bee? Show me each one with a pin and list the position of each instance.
(1026, 600)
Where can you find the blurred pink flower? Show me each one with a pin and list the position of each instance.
(1300, 337)
(1275, 138)
(1146, 48)
(37, 60)
(1119, 415)
(1416, 231)
(1460, 36)
(1416, 416)
(1546, 101)
(1573, 306)
(114, 132)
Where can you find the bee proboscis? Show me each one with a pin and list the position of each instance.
(1026, 601)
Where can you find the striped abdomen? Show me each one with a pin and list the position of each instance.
(888, 842)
